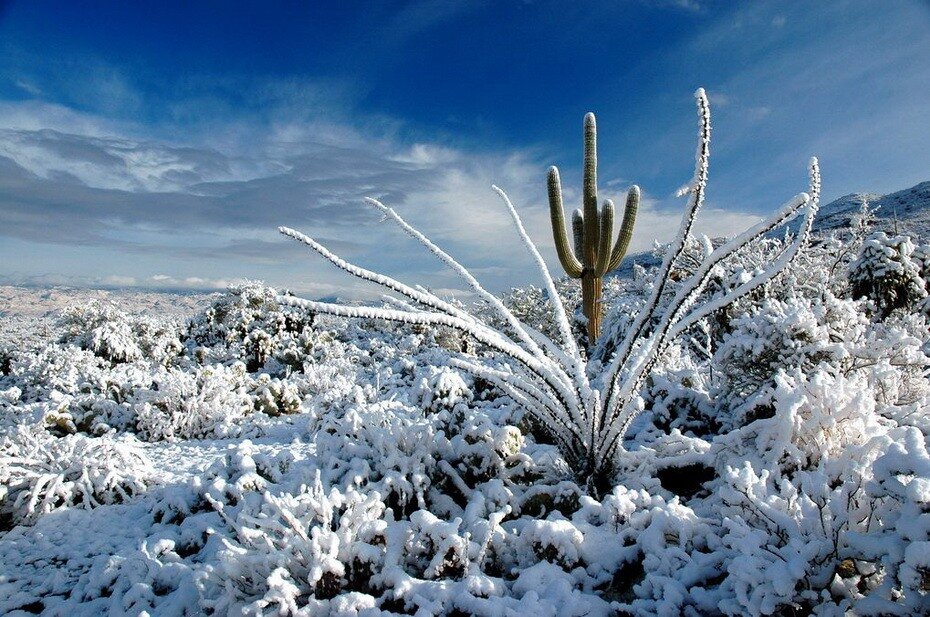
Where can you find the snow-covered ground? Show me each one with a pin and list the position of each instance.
(238, 455)
(749, 435)
(28, 315)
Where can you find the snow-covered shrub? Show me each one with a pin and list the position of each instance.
(206, 402)
(893, 355)
(275, 397)
(779, 335)
(65, 369)
(846, 536)
(10, 397)
(785, 542)
(7, 353)
(900, 491)
(117, 336)
(887, 273)
(800, 504)
(828, 415)
(444, 390)
(40, 473)
(531, 306)
(557, 541)
(249, 323)
(307, 549)
(286, 551)
(680, 398)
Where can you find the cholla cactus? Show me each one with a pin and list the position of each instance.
(592, 228)
(587, 414)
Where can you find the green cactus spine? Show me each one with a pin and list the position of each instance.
(594, 253)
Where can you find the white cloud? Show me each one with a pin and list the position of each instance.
(718, 99)
(119, 281)
(188, 282)
(210, 214)
(28, 87)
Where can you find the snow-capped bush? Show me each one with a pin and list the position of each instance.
(274, 397)
(117, 336)
(444, 390)
(900, 491)
(250, 324)
(282, 549)
(780, 335)
(888, 273)
(194, 405)
(40, 474)
(65, 369)
(557, 541)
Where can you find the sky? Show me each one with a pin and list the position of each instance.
(160, 145)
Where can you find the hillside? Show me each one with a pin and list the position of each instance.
(910, 208)
(907, 209)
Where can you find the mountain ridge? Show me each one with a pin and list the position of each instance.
(908, 208)
(902, 212)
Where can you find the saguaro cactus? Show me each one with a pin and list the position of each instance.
(594, 253)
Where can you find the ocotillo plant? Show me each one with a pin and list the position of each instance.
(594, 255)
(586, 408)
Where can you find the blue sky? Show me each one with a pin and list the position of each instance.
(161, 144)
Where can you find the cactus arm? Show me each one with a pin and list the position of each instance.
(607, 231)
(578, 231)
(626, 228)
(568, 259)
(589, 193)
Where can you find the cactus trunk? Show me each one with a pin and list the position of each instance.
(591, 303)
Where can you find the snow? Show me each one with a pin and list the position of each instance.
(266, 455)
(356, 471)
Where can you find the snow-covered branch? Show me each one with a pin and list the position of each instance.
(550, 379)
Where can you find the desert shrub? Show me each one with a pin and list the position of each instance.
(206, 402)
(118, 336)
(444, 390)
(7, 353)
(55, 368)
(249, 323)
(778, 335)
(889, 273)
(274, 397)
(900, 492)
(40, 473)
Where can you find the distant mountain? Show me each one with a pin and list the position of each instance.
(909, 210)
(331, 300)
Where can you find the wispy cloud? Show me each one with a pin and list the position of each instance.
(102, 187)
(135, 173)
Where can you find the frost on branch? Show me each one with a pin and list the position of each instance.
(40, 474)
(587, 413)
